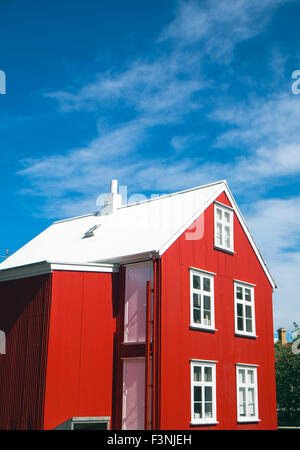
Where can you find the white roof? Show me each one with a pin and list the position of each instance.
(146, 227)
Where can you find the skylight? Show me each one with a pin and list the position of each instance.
(90, 232)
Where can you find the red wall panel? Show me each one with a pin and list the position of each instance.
(179, 343)
(81, 343)
(24, 316)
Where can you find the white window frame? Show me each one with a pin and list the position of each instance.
(246, 385)
(203, 364)
(223, 224)
(202, 274)
(243, 285)
(90, 420)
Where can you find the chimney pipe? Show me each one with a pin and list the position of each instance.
(114, 186)
(282, 336)
(112, 200)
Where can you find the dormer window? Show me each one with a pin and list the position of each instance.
(223, 227)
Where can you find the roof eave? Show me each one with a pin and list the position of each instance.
(134, 258)
(46, 267)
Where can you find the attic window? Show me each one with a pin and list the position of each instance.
(223, 227)
(90, 232)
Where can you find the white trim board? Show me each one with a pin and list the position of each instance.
(45, 267)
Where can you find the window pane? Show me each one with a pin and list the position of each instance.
(240, 325)
(248, 295)
(251, 403)
(208, 410)
(227, 237)
(227, 216)
(249, 325)
(196, 300)
(197, 393)
(242, 376)
(207, 318)
(197, 315)
(196, 282)
(239, 293)
(197, 410)
(219, 234)
(250, 376)
(206, 302)
(208, 394)
(239, 309)
(219, 214)
(207, 374)
(206, 284)
(197, 373)
(207, 310)
(248, 312)
(242, 402)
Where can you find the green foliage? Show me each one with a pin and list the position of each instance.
(287, 366)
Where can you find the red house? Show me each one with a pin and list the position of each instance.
(156, 315)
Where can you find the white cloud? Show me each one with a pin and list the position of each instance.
(163, 88)
(182, 142)
(282, 217)
(73, 186)
(266, 133)
(272, 119)
(84, 171)
(218, 25)
(267, 163)
(159, 91)
(165, 81)
(113, 143)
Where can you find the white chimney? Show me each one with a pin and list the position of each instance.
(112, 200)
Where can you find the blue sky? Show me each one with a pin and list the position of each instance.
(163, 95)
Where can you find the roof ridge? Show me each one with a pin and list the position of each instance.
(159, 197)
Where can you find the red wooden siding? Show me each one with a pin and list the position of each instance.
(179, 343)
(81, 346)
(24, 316)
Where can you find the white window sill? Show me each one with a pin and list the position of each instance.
(202, 328)
(225, 250)
(203, 423)
(246, 335)
(249, 420)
